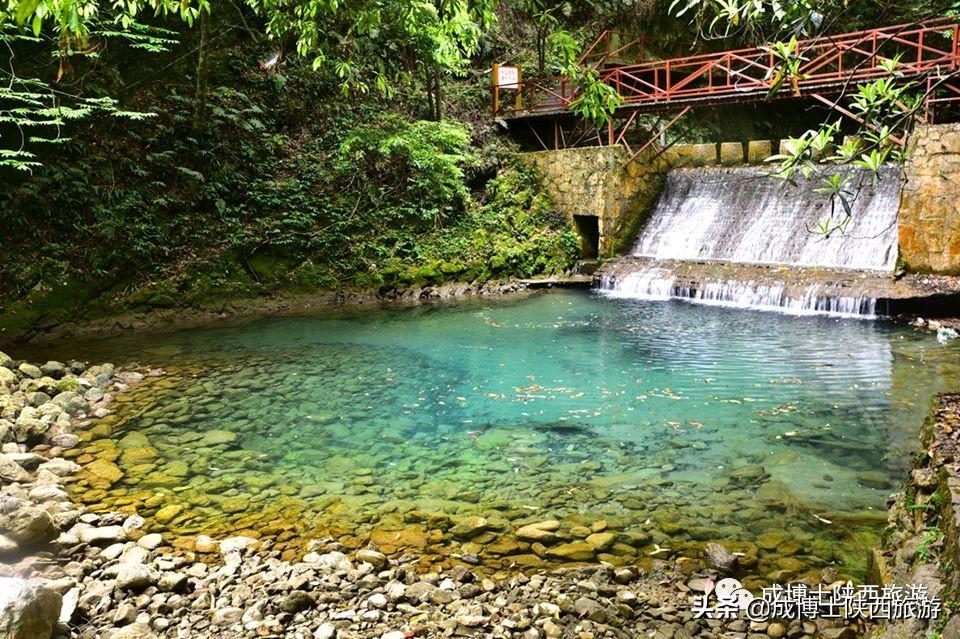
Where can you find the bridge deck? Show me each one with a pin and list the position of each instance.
(828, 65)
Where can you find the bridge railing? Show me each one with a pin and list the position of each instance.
(829, 64)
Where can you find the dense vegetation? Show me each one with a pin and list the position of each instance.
(159, 153)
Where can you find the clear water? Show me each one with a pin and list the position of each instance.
(674, 424)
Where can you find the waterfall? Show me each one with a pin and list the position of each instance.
(653, 283)
(743, 216)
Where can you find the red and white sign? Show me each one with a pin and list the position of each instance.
(507, 77)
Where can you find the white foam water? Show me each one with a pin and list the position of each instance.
(741, 215)
(660, 284)
(744, 216)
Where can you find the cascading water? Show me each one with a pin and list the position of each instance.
(654, 283)
(743, 216)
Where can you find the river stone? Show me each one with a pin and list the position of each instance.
(541, 531)
(376, 559)
(177, 468)
(216, 437)
(720, 558)
(133, 523)
(601, 540)
(28, 525)
(167, 514)
(133, 554)
(30, 370)
(134, 439)
(60, 467)
(134, 576)
(172, 581)
(873, 479)
(70, 401)
(325, 631)
(134, 631)
(237, 544)
(27, 609)
(227, 616)
(29, 428)
(29, 461)
(8, 377)
(748, 475)
(233, 504)
(135, 456)
(404, 538)
(42, 494)
(102, 535)
(53, 369)
(11, 471)
(573, 551)
(151, 541)
(105, 470)
(5, 360)
(297, 601)
(469, 527)
(331, 561)
(205, 544)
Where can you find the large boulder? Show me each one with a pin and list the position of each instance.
(29, 428)
(8, 377)
(26, 524)
(11, 471)
(27, 609)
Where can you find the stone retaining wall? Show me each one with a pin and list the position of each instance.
(930, 206)
(922, 541)
(597, 181)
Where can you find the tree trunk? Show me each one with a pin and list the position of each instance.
(200, 93)
(437, 97)
(429, 77)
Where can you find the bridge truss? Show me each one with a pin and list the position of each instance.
(927, 53)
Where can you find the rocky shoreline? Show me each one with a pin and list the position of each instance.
(67, 572)
(166, 318)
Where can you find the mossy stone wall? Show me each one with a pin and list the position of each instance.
(599, 181)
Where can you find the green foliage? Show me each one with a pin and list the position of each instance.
(787, 69)
(350, 197)
(596, 102)
(374, 45)
(755, 19)
(931, 540)
(37, 110)
(412, 172)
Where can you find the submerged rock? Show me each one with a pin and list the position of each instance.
(540, 531)
(217, 437)
(720, 558)
(105, 469)
(573, 551)
(469, 527)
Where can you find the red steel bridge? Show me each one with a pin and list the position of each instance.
(829, 65)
